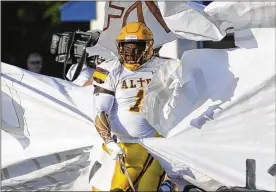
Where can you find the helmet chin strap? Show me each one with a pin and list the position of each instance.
(134, 66)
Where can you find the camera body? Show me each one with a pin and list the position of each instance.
(72, 45)
(70, 48)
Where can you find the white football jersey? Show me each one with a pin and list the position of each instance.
(128, 88)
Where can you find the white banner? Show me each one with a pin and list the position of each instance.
(46, 131)
(163, 18)
(242, 15)
(189, 20)
(224, 114)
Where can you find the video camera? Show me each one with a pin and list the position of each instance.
(70, 48)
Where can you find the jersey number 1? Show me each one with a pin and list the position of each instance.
(139, 98)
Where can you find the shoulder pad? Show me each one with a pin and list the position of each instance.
(109, 67)
(100, 75)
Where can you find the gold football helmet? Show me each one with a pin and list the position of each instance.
(135, 45)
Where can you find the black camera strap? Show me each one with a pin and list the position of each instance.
(91, 40)
(68, 53)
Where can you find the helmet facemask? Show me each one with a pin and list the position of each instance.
(133, 54)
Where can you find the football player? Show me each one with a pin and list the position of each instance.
(118, 95)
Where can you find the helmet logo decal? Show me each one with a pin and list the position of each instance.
(128, 37)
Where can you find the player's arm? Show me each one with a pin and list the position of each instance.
(104, 93)
(103, 101)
